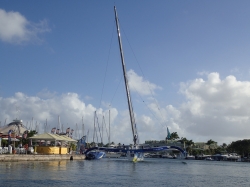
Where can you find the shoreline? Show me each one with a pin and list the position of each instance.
(38, 157)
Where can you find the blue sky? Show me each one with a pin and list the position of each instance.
(187, 62)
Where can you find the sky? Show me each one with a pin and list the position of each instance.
(188, 66)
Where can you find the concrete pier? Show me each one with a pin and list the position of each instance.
(36, 157)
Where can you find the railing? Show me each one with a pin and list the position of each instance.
(4, 150)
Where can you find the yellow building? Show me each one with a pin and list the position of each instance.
(51, 143)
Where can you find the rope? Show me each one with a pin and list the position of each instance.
(104, 80)
(147, 83)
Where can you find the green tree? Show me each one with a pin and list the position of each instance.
(209, 143)
(73, 146)
(241, 147)
(100, 144)
(29, 134)
(188, 144)
(106, 145)
(174, 136)
(224, 145)
(92, 144)
(182, 140)
(4, 143)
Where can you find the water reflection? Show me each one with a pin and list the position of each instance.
(107, 172)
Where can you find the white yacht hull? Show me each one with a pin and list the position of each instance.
(113, 155)
(135, 157)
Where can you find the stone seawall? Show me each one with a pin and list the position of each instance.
(33, 157)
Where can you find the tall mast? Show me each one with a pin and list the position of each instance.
(82, 127)
(131, 113)
(109, 127)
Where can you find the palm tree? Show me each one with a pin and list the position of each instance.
(190, 143)
(224, 145)
(209, 143)
(187, 142)
(174, 136)
(92, 144)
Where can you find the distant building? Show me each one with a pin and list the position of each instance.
(16, 127)
(204, 146)
(157, 143)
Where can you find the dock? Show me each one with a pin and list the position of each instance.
(38, 157)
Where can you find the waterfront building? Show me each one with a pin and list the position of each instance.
(15, 129)
(204, 146)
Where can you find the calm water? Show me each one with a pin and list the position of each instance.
(115, 172)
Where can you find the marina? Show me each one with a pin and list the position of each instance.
(61, 158)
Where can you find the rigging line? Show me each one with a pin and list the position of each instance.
(148, 107)
(107, 65)
(105, 126)
(95, 126)
(116, 90)
(142, 73)
(99, 130)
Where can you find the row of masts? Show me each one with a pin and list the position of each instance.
(59, 129)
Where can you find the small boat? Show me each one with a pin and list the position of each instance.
(209, 158)
(190, 157)
(168, 156)
(95, 155)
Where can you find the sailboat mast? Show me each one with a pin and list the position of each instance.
(131, 113)
(109, 127)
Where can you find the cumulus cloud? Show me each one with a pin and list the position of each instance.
(216, 108)
(138, 84)
(46, 107)
(68, 106)
(15, 28)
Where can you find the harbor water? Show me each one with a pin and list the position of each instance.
(120, 172)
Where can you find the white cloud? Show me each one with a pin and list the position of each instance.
(68, 106)
(138, 84)
(15, 28)
(48, 106)
(216, 108)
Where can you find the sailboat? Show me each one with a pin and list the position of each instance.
(135, 152)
